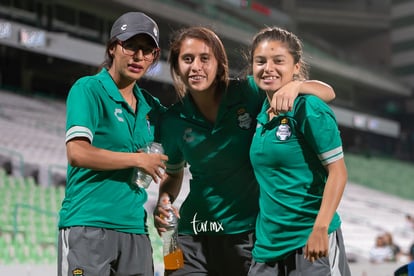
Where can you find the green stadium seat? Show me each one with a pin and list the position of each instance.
(36, 239)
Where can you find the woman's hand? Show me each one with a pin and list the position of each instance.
(282, 101)
(160, 214)
(317, 245)
(153, 164)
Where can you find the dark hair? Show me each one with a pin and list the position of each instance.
(109, 59)
(292, 42)
(213, 41)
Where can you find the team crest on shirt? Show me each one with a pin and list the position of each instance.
(283, 131)
(244, 118)
(188, 135)
(77, 272)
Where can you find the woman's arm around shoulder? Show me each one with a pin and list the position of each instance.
(283, 100)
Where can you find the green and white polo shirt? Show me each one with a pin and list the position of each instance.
(288, 155)
(223, 197)
(107, 199)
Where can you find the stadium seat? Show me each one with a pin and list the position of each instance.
(28, 221)
(32, 140)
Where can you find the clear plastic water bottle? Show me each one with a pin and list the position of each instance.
(142, 179)
(173, 256)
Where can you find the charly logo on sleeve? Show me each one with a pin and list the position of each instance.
(283, 131)
(203, 226)
(244, 118)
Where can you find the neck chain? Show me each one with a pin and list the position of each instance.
(130, 101)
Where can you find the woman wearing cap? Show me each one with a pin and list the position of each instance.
(102, 227)
(211, 129)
